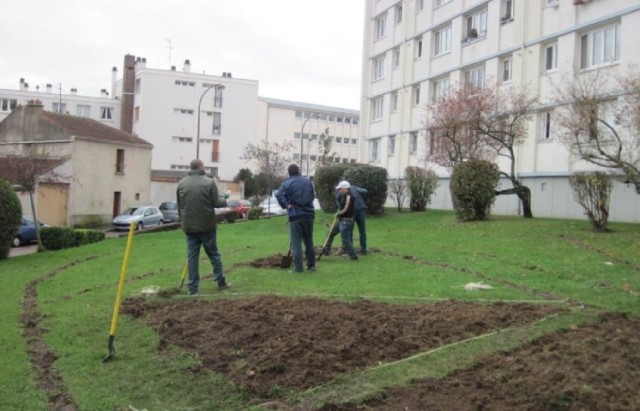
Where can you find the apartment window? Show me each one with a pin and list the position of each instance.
(545, 125)
(553, 3)
(506, 10)
(396, 57)
(119, 161)
(380, 26)
(413, 142)
(355, 121)
(215, 151)
(420, 5)
(378, 68)
(439, 89)
(375, 146)
(178, 139)
(475, 25)
(394, 101)
(217, 123)
(398, 13)
(214, 171)
(474, 77)
(338, 140)
(217, 97)
(418, 47)
(185, 83)
(377, 108)
(59, 107)
(354, 141)
(7, 104)
(106, 113)
(442, 40)
(441, 2)
(138, 85)
(298, 113)
(416, 94)
(182, 111)
(551, 57)
(83, 110)
(391, 145)
(506, 70)
(305, 136)
(601, 46)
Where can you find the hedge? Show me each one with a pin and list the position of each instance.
(57, 238)
(473, 189)
(10, 217)
(375, 180)
(325, 181)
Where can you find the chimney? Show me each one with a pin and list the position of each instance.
(23, 85)
(74, 91)
(104, 93)
(187, 66)
(49, 87)
(114, 79)
(128, 89)
(141, 63)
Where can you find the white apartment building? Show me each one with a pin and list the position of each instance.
(302, 124)
(168, 106)
(105, 108)
(414, 50)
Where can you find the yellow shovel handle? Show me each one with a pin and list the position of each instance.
(123, 276)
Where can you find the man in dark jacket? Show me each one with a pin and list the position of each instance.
(296, 195)
(197, 196)
(359, 218)
(346, 213)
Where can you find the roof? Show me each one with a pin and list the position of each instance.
(31, 122)
(89, 129)
(308, 106)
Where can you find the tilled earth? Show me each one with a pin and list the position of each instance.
(266, 344)
(594, 367)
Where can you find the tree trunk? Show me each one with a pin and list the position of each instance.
(524, 194)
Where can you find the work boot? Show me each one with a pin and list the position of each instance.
(223, 285)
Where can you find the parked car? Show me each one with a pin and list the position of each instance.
(270, 206)
(242, 207)
(169, 210)
(27, 231)
(143, 216)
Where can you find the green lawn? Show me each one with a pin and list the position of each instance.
(422, 258)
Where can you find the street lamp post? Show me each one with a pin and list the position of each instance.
(217, 87)
(304, 123)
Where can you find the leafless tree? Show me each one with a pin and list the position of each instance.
(501, 117)
(271, 158)
(398, 191)
(599, 117)
(326, 156)
(27, 171)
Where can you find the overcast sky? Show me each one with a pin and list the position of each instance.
(299, 50)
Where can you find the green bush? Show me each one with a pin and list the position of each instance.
(422, 185)
(473, 189)
(592, 191)
(325, 181)
(228, 216)
(86, 236)
(375, 180)
(254, 213)
(10, 217)
(57, 238)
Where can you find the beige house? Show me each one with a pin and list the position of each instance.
(102, 170)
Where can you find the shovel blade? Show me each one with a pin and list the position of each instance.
(286, 262)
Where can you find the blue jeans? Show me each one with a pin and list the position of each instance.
(301, 231)
(346, 233)
(208, 241)
(359, 219)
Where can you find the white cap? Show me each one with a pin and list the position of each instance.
(343, 184)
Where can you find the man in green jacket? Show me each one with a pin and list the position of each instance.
(197, 196)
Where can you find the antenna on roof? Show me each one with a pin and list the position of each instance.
(169, 47)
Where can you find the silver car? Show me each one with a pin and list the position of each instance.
(142, 216)
(169, 210)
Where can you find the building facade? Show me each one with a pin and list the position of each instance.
(304, 125)
(416, 50)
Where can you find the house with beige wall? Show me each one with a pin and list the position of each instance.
(103, 170)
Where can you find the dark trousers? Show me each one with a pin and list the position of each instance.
(208, 241)
(301, 232)
(359, 219)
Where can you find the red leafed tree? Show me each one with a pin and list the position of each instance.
(26, 171)
(451, 138)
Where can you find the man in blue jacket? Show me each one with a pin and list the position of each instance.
(296, 195)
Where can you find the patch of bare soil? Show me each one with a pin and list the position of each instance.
(593, 367)
(267, 344)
